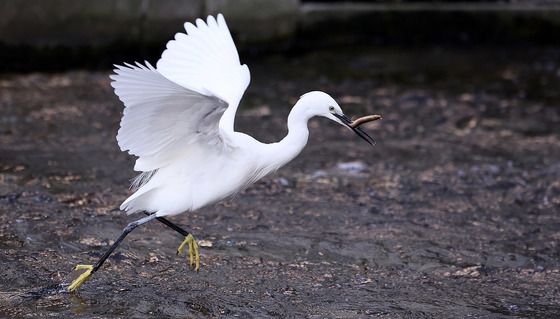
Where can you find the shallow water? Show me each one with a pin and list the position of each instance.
(452, 214)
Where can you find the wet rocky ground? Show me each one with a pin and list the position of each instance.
(453, 214)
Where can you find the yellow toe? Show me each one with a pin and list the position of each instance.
(194, 256)
(78, 282)
(183, 244)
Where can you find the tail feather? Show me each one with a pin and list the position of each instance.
(142, 179)
(137, 202)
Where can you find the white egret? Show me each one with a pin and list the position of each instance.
(178, 120)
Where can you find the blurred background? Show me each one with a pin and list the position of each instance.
(63, 34)
(454, 213)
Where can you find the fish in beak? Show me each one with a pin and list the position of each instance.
(355, 125)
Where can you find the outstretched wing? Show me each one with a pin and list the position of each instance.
(206, 61)
(162, 118)
(190, 98)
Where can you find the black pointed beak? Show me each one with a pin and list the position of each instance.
(358, 130)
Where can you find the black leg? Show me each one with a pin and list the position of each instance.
(91, 269)
(130, 227)
(189, 240)
(171, 225)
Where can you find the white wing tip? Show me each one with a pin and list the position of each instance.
(149, 65)
(211, 20)
(127, 66)
(200, 23)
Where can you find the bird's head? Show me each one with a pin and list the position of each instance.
(318, 103)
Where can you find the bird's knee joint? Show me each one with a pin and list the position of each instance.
(130, 227)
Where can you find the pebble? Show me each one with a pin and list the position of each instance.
(355, 167)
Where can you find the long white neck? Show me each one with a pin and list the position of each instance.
(293, 143)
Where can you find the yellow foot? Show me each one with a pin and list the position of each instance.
(194, 257)
(82, 278)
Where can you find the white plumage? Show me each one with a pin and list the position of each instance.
(179, 119)
(178, 122)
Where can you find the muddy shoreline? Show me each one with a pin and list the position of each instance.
(453, 214)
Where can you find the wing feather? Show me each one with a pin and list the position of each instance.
(191, 97)
(162, 118)
(205, 60)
